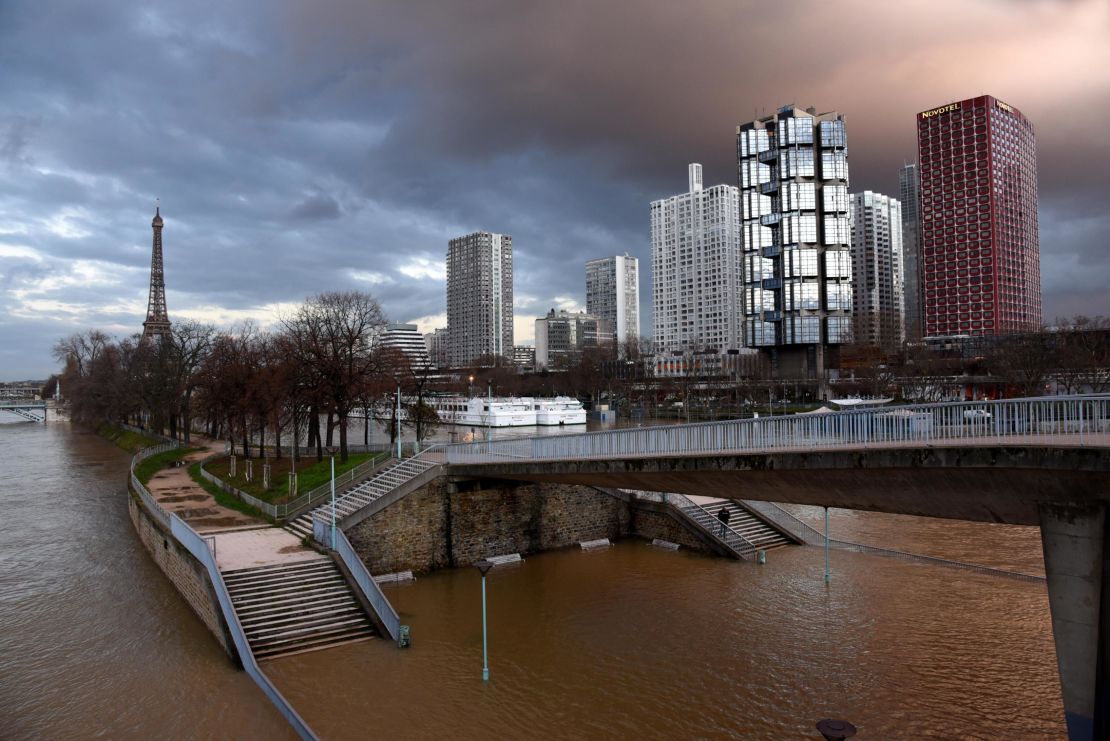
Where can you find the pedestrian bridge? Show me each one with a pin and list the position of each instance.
(31, 411)
(1040, 461)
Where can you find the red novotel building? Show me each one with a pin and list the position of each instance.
(980, 251)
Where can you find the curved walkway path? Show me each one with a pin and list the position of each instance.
(242, 541)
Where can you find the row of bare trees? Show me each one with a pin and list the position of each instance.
(324, 360)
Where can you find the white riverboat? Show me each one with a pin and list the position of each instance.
(562, 410)
(480, 411)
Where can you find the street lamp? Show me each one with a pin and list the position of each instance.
(484, 566)
(489, 412)
(835, 730)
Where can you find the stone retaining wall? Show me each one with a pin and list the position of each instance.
(649, 523)
(186, 574)
(447, 524)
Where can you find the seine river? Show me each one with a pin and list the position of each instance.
(631, 642)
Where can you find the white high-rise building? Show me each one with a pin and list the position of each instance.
(878, 304)
(613, 295)
(407, 339)
(479, 297)
(695, 265)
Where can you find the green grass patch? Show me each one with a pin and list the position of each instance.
(223, 498)
(130, 441)
(310, 474)
(146, 468)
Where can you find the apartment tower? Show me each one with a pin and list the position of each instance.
(695, 266)
(613, 295)
(479, 298)
(878, 306)
(797, 296)
(980, 246)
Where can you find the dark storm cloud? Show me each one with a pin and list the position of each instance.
(301, 147)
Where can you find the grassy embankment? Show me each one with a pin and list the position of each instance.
(310, 474)
(223, 498)
(130, 441)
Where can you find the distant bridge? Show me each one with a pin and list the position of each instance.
(32, 411)
(1042, 461)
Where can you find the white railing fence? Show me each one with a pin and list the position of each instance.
(199, 547)
(204, 550)
(1081, 419)
(151, 503)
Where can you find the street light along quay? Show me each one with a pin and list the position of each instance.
(484, 566)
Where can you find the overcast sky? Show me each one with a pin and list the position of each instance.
(298, 147)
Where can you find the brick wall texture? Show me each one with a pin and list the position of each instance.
(438, 527)
(185, 572)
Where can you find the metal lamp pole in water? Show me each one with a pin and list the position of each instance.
(484, 567)
(826, 545)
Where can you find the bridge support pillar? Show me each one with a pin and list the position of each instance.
(1077, 565)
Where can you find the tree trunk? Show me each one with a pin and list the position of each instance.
(342, 438)
(186, 416)
(366, 428)
(331, 428)
(261, 436)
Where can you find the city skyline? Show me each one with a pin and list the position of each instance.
(336, 163)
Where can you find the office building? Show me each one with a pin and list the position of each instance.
(524, 357)
(695, 266)
(406, 339)
(613, 295)
(797, 296)
(479, 298)
(911, 249)
(878, 306)
(562, 335)
(437, 345)
(980, 246)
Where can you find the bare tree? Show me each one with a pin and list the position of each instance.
(336, 335)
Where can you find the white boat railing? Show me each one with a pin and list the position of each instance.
(1069, 420)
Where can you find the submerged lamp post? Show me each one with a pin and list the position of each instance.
(484, 566)
(826, 545)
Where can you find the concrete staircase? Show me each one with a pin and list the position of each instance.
(749, 527)
(364, 494)
(296, 607)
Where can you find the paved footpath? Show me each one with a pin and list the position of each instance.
(242, 541)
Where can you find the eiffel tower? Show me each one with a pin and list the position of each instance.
(157, 325)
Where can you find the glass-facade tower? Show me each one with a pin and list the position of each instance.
(797, 295)
(980, 246)
(911, 248)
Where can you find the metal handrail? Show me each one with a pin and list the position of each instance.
(324, 490)
(432, 455)
(148, 499)
(1012, 421)
(205, 552)
(198, 546)
(369, 587)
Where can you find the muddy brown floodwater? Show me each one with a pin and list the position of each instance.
(630, 642)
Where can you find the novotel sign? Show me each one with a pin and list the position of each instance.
(943, 109)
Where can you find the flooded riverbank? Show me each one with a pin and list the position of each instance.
(626, 642)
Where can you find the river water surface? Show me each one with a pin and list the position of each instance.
(631, 642)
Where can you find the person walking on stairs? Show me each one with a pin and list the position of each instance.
(723, 515)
